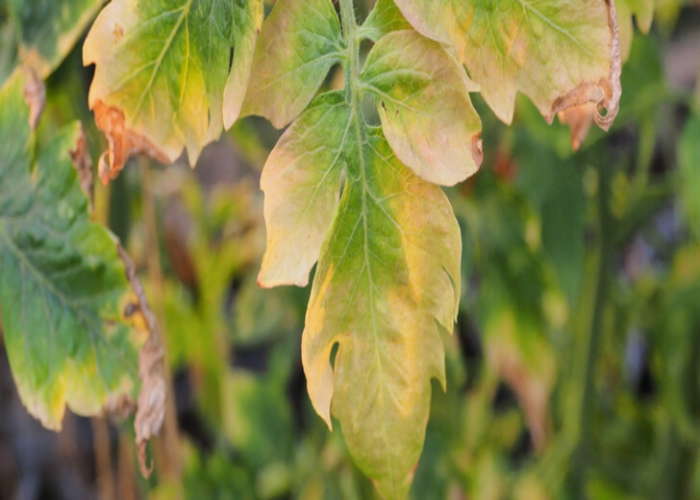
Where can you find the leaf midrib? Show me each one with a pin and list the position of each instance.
(161, 56)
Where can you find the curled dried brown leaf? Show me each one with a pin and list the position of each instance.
(583, 106)
(150, 412)
(123, 142)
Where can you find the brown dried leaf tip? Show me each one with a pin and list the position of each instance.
(123, 143)
(583, 105)
(150, 411)
(83, 164)
(34, 95)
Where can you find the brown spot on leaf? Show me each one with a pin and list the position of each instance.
(123, 143)
(118, 32)
(83, 164)
(130, 310)
(34, 95)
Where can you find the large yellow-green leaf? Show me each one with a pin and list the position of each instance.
(48, 29)
(64, 294)
(161, 74)
(298, 45)
(423, 100)
(387, 277)
(560, 53)
(301, 181)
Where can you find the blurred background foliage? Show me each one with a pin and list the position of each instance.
(573, 370)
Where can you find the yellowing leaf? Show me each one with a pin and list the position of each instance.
(384, 18)
(247, 19)
(301, 181)
(299, 44)
(643, 12)
(424, 105)
(387, 276)
(560, 53)
(71, 322)
(161, 74)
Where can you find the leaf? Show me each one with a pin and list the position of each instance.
(48, 30)
(388, 252)
(72, 324)
(387, 276)
(161, 76)
(384, 18)
(299, 43)
(560, 53)
(424, 105)
(301, 181)
(247, 19)
(643, 12)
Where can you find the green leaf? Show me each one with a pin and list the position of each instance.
(63, 289)
(560, 53)
(388, 275)
(48, 29)
(162, 74)
(384, 18)
(247, 19)
(424, 105)
(299, 43)
(301, 181)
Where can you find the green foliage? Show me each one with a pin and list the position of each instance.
(535, 257)
(68, 310)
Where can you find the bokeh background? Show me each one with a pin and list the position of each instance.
(574, 367)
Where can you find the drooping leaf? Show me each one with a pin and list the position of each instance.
(299, 43)
(387, 276)
(301, 181)
(71, 321)
(424, 105)
(161, 74)
(48, 29)
(560, 53)
(388, 251)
